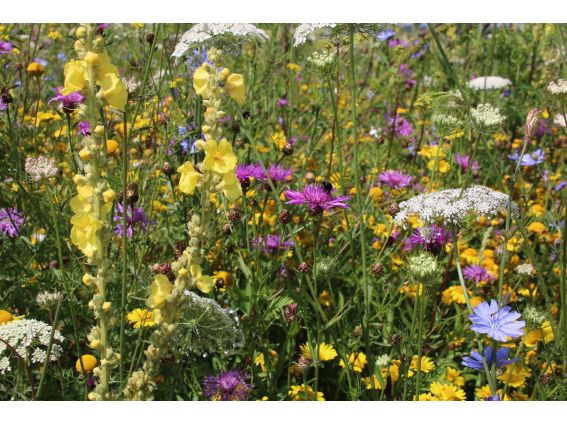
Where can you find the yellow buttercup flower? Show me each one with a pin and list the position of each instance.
(160, 289)
(83, 232)
(189, 178)
(447, 392)
(140, 318)
(219, 157)
(5, 317)
(326, 352)
(35, 69)
(89, 362)
(235, 88)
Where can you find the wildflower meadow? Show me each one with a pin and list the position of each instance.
(252, 212)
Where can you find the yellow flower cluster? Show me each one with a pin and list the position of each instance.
(95, 66)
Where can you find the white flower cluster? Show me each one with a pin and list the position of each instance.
(559, 119)
(208, 327)
(525, 269)
(453, 205)
(446, 121)
(559, 87)
(489, 82)
(47, 299)
(40, 167)
(321, 60)
(486, 115)
(29, 338)
(305, 30)
(200, 33)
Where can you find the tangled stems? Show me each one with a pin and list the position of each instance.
(490, 375)
(355, 166)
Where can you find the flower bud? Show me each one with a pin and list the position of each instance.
(88, 279)
(531, 121)
(81, 32)
(85, 154)
(423, 268)
(99, 130)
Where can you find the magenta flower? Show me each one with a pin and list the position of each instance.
(10, 221)
(431, 239)
(272, 243)
(84, 128)
(477, 274)
(395, 179)
(317, 198)
(277, 173)
(464, 161)
(69, 101)
(5, 47)
(499, 323)
(230, 385)
(248, 171)
(135, 217)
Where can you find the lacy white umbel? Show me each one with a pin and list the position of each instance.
(489, 82)
(200, 33)
(29, 338)
(453, 205)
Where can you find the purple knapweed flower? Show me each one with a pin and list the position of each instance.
(395, 179)
(6, 47)
(400, 126)
(247, 171)
(478, 274)
(501, 358)
(272, 243)
(277, 173)
(69, 101)
(317, 198)
(282, 102)
(230, 385)
(464, 161)
(84, 128)
(10, 221)
(498, 323)
(431, 238)
(135, 217)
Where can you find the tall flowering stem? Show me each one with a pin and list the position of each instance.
(91, 206)
(216, 173)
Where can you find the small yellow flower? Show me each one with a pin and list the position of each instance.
(326, 352)
(5, 317)
(219, 157)
(230, 187)
(36, 69)
(189, 178)
(203, 282)
(201, 80)
(235, 88)
(305, 393)
(357, 360)
(447, 392)
(260, 360)
(140, 318)
(454, 376)
(160, 289)
(113, 92)
(83, 232)
(89, 362)
(112, 146)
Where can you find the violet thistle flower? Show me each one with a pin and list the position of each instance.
(84, 128)
(317, 198)
(277, 173)
(135, 217)
(10, 221)
(500, 357)
(498, 323)
(478, 274)
(431, 238)
(230, 385)
(68, 101)
(395, 179)
(464, 161)
(5, 47)
(272, 243)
